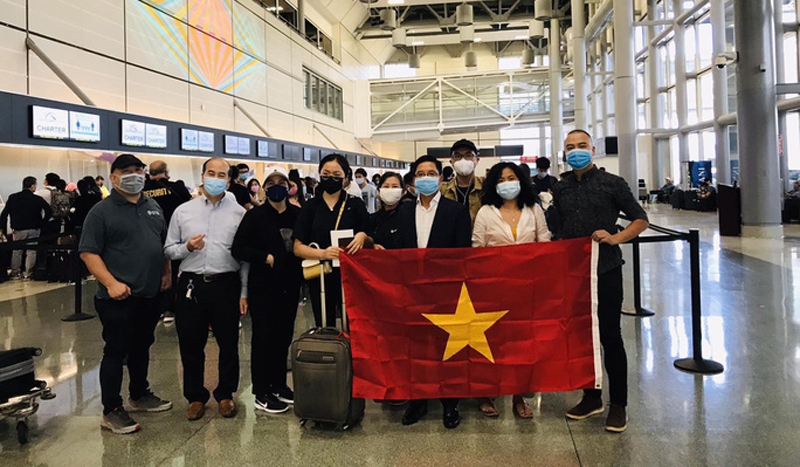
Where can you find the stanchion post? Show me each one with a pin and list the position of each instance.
(77, 276)
(638, 309)
(697, 364)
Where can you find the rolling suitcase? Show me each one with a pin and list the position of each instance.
(16, 373)
(322, 370)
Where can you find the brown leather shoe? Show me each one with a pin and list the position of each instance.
(196, 411)
(227, 408)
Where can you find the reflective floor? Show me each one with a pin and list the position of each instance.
(744, 416)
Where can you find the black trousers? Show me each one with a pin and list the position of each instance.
(333, 297)
(166, 298)
(128, 331)
(272, 314)
(609, 312)
(215, 304)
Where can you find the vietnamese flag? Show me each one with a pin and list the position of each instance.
(473, 322)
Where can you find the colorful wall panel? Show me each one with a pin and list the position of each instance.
(214, 17)
(210, 62)
(177, 8)
(156, 40)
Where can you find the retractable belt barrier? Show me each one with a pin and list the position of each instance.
(42, 245)
(696, 363)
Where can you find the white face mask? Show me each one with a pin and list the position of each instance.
(464, 167)
(391, 196)
(360, 181)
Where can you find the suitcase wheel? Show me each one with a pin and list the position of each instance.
(22, 432)
(303, 422)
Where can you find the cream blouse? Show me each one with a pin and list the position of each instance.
(491, 230)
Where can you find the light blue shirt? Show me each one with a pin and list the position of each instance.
(219, 224)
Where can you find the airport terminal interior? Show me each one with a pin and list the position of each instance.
(695, 95)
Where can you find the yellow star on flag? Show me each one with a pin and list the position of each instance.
(466, 327)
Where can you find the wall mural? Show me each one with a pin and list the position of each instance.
(215, 44)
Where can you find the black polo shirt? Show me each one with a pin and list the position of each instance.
(594, 203)
(384, 228)
(130, 239)
(316, 220)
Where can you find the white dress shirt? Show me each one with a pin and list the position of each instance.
(219, 224)
(424, 219)
(491, 230)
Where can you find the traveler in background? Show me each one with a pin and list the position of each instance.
(465, 188)
(264, 240)
(526, 169)
(384, 225)
(28, 214)
(101, 183)
(447, 174)
(411, 190)
(169, 195)
(88, 195)
(510, 215)
(294, 195)
(310, 188)
(543, 181)
(433, 221)
(334, 209)
(588, 201)
(795, 191)
(376, 180)
(238, 174)
(211, 290)
(368, 192)
(48, 186)
(122, 244)
(256, 194)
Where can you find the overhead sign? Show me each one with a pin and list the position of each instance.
(189, 139)
(133, 133)
(50, 123)
(84, 126)
(205, 141)
(244, 146)
(156, 136)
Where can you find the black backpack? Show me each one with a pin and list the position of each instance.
(60, 204)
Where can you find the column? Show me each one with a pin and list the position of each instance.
(680, 95)
(556, 107)
(655, 79)
(780, 72)
(625, 91)
(754, 26)
(301, 17)
(543, 142)
(579, 64)
(720, 76)
(605, 107)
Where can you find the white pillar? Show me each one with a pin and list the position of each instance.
(579, 64)
(625, 92)
(556, 108)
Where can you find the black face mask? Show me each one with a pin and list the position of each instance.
(277, 193)
(331, 184)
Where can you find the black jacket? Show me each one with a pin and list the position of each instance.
(169, 195)
(25, 209)
(452, 226)
(83, 204)
(263, 231)
(384, 228)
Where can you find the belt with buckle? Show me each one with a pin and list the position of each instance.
(212, 277)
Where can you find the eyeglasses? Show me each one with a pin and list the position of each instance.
(463, 155)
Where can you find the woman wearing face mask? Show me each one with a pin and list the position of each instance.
(333, 210)
(294, 195)
(256, 195)
(384, 225)
(510, 215)
(264, 239)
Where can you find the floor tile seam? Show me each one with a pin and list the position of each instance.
(206, 421)
(574, 443)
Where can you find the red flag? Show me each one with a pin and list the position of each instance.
(473, 322)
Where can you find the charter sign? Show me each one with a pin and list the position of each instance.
(50, 123)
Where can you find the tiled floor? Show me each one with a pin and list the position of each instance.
(744, 416)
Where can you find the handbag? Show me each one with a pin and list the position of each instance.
(313, 268)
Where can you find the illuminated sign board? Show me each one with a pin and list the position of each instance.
(84, 127)
(189, 140)
(50, 123)
(133, 133)
(156, 136)
(206, 141)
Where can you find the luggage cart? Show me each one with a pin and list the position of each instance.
(23, 406)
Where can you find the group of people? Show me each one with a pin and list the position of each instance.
(232, 261)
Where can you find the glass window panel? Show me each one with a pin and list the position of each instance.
(707, 96)
(691, 101)
(694, 146)
(704, 44)
(691, 47)
(793, 140)
(790, 57)
(709, 141)
(315, 91)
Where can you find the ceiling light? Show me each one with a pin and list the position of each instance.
(396, 2)
(418, 43)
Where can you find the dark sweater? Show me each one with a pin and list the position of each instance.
(26, 210)
(263, 231)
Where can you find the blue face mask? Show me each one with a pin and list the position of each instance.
(541, 174)
(509, 190)
(427, 185)
(579, 159)
(214, 186)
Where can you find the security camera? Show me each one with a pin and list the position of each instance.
(724, 59)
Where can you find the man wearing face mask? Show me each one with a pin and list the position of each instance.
(211, 289)
(264, 240)
(433, 221)
(368, 192)
(588, 202)
(122, 245)
(238, 174)
(542, 180)
(465, 188)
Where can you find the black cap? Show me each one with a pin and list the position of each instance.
(123, 161)
(464, 143)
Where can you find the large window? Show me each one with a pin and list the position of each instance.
(322, 96)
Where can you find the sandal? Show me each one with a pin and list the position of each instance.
(521, 408)
(488, 407)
